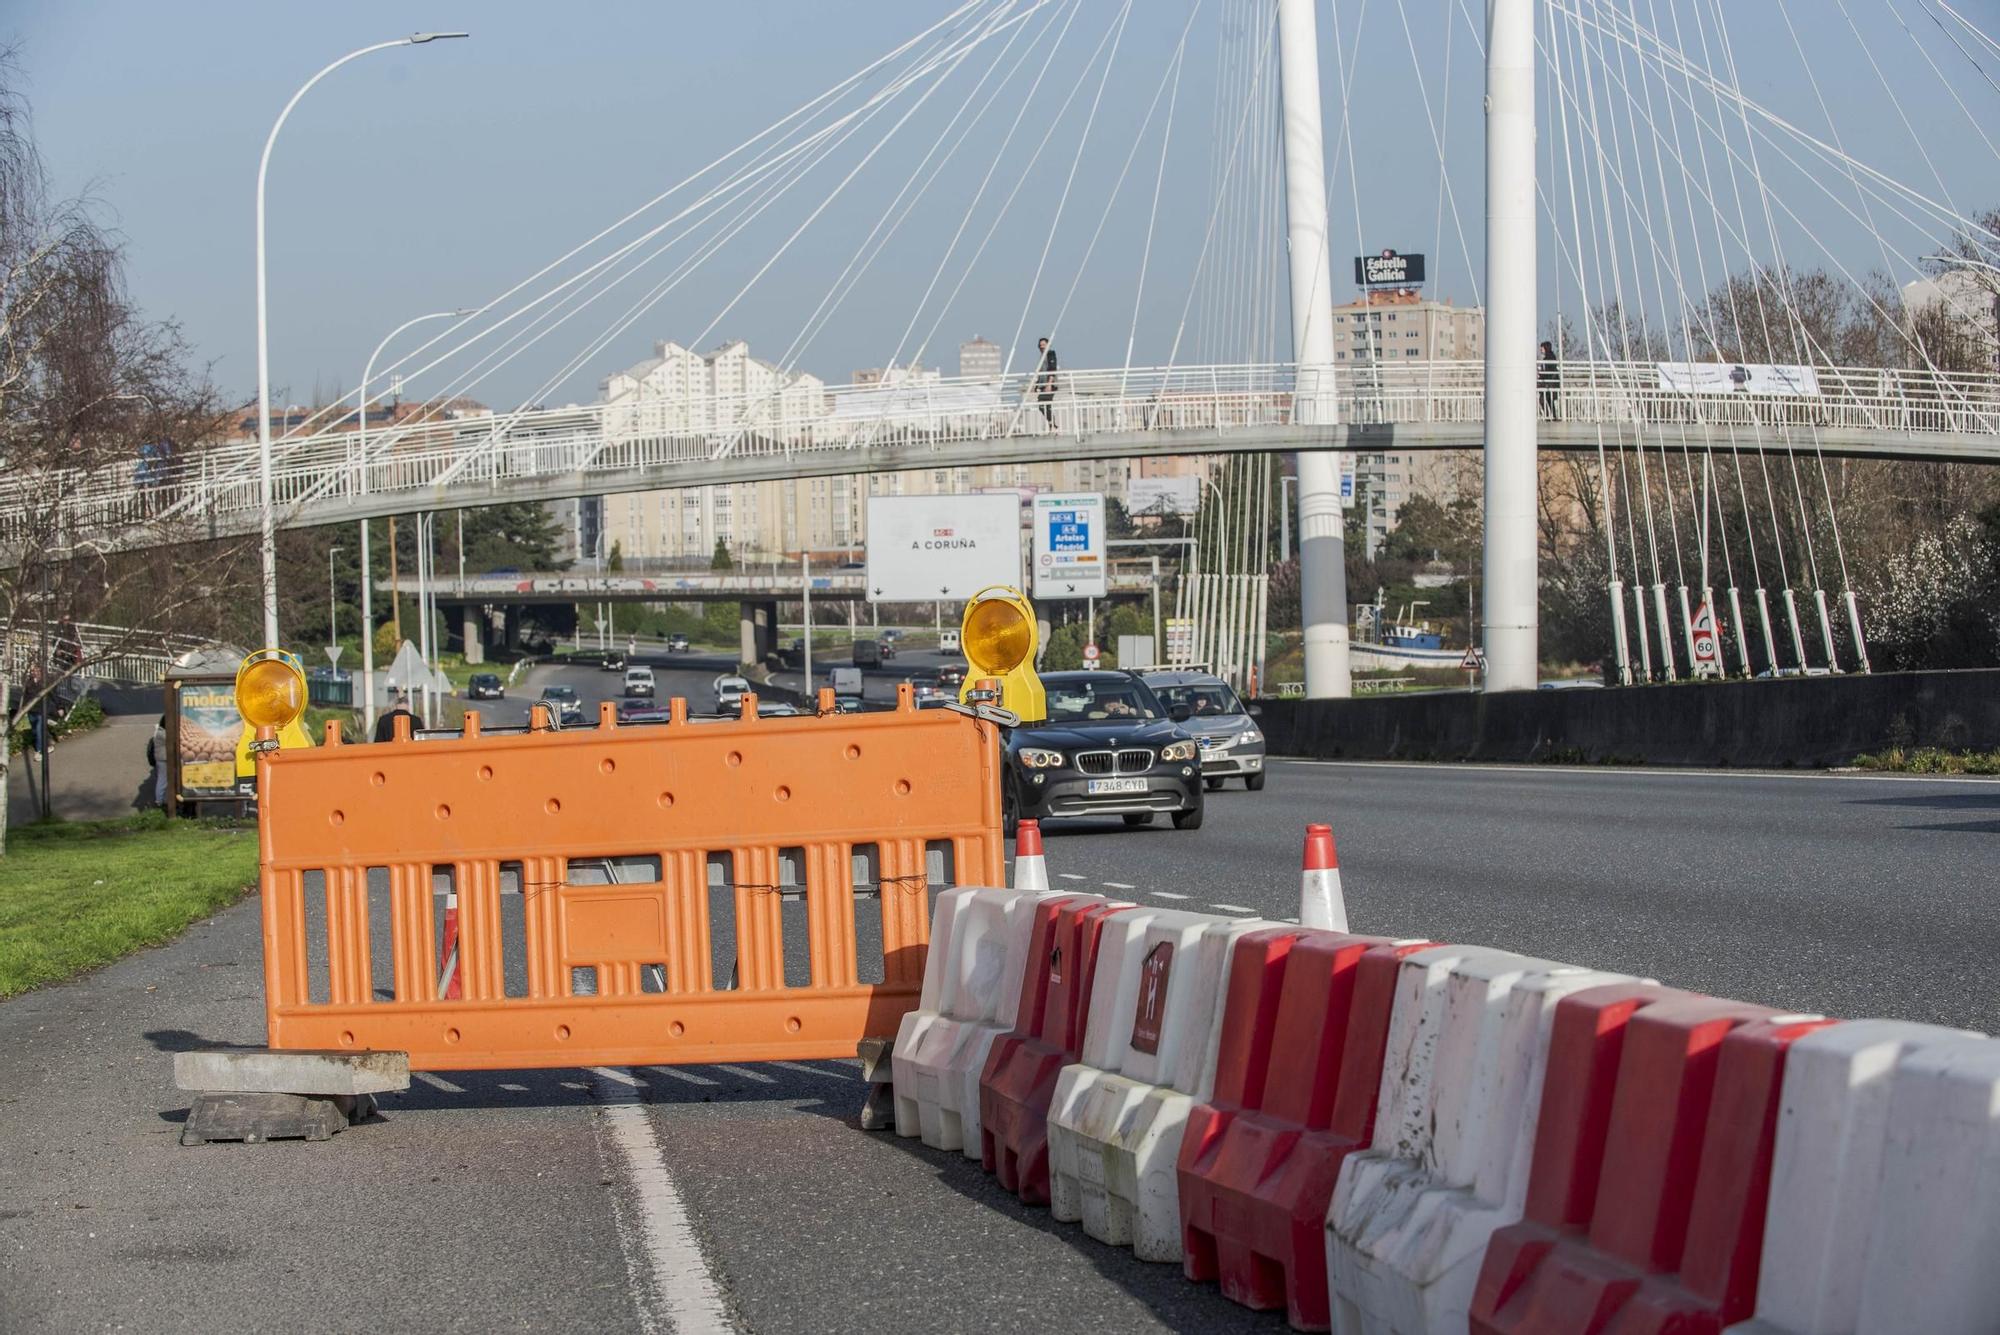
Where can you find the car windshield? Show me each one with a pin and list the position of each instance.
(558, 692)
(1204, 699)
(484, 679)
(1108, 701)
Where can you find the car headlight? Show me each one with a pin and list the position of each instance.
(1178, 751)
(1034, 757)
(1251, 738)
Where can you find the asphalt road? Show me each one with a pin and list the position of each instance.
(747, 1197)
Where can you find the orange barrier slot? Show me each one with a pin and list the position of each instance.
(626, 894)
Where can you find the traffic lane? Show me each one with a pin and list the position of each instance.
(483, 1213)
(1849, 895)
(813, 1224)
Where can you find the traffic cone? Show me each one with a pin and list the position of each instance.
(448, 986)
(1031, 870)
(1320, 902)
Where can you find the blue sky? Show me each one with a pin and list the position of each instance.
(437, 176)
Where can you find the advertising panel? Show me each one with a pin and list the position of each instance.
(1389, 269)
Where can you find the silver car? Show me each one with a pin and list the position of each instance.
(1232, 745)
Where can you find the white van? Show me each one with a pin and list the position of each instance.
(948, 642)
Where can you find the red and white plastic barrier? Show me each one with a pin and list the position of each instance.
(1461, 1089)
(978, 940)
(1396, 1136)
(1149, 1055)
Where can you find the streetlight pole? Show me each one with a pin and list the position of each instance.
(267, 528)
(332, 634)
(361, 484)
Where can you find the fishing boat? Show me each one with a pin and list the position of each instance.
(1381, 642)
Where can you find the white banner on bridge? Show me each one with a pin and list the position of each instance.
(1069, 546)
(924, 548)
(1738, 378)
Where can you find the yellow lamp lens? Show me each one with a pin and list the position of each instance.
(270, 693)
(997, 636)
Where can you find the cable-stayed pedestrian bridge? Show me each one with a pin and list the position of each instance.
(598, 449)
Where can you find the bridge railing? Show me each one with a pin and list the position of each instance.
(648, 438)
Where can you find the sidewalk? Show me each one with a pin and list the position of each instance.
(98, 775)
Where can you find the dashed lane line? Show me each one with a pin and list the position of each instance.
(1071, 876)
(1233, 908)
(673, 1288)
(744, 1072)
(1117, 885)
(437, 1082)
(1164, 894)
(687, 1077)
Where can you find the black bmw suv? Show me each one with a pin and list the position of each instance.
(1107, 748)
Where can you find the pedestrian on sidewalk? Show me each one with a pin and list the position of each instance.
(156, 760)
(1045, 381)
(385, 725)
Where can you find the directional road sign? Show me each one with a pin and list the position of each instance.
(1069, 546)
(929, 548)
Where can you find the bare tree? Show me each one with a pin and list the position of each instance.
(101, 412)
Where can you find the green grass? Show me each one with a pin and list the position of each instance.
(74, 895)
(1932, 760)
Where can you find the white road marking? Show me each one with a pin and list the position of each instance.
(688, 1076)
(748, 1074)
(1643, 771)
(1117, 885)
(438, 1082)
(672, 1286)
(1165, 894)
(1071, 876)
(622, 1077)
(512, 1088)
(1233, 908)
(813, 1070)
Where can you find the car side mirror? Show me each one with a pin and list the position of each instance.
(1256, 711)
(1180, 713)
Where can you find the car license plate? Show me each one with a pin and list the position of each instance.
(1101, 786)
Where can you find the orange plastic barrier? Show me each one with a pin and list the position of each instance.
(600, 875)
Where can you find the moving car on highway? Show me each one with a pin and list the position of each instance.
(1232, 745)
(563, 703)
(639, 681)
(641, 710)
(1108, 747)
(485, 686)
(926, 686)
(677, 643)
(614, 661)
(729, 692)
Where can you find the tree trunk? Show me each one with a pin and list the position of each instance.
(6, 752)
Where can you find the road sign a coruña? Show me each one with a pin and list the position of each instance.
(941, 547)
(1069, 546)
(1474, 660)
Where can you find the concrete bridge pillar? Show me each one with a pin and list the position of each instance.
(758, 626)
(473, 626)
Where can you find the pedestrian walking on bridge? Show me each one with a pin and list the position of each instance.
(1045, 381)
(1549, 378)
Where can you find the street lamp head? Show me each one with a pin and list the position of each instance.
(419, 38)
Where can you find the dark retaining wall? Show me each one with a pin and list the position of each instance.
(1809, 722)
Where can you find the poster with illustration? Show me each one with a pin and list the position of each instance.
(209, 730)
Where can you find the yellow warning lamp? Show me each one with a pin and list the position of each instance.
(999, 638)
(271, 689)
